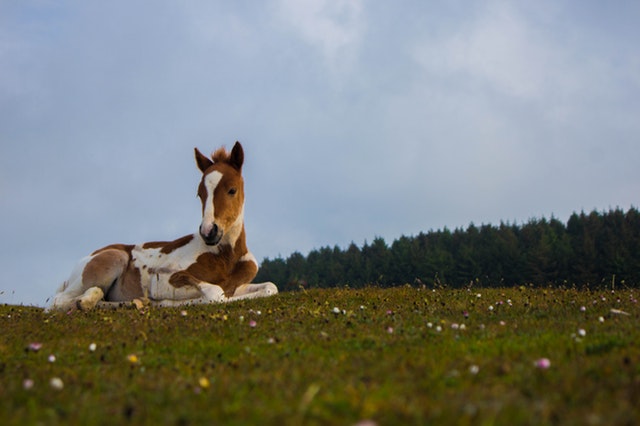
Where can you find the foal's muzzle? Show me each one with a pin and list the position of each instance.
(212, 237)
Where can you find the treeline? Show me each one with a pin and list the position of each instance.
(590, 249)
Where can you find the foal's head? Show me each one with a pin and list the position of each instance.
(221, 191)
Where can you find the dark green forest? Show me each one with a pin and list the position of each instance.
(589, 250)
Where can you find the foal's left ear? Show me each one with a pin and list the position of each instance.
(236, 159)
(203, 162)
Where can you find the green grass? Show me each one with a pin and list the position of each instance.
(394, 356)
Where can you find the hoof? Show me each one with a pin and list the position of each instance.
(89, 299)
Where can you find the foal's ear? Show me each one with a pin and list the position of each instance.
(236, 159)
(203, 162)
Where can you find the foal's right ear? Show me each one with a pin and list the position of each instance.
(203, 162)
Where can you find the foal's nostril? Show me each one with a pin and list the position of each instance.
(213, 236)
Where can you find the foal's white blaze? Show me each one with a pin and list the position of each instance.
(211, 181)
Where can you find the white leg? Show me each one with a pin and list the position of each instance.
(70, 290)
(90, 298)
(90, 280)
(252, 291)
(211, 293)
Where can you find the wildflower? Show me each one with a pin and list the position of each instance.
(438, 328)
(252, 323)
(27, 384)
(34, 346)
(463, 327)
(56, 383)
(183, 313)
(132, 358)
(336, 310)
(601, 319)
(271, 340)
(92, 347)
(490, 307)
(52, 358)
(502, 323)
(474, 369)
(583, 308)
(542, 363)
(455, 326)
(465, 314)
(204, 382)
(429, 324)
(389, 312)
(366, 422)
(582, 332)
(390, 330)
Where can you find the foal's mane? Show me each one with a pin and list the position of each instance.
(235, 158)
(221, 155)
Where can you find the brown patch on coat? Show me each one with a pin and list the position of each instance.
(183, 279)
(202, 193)
(223, 269)
(167, 247)
(127, 248)
(112, 270)
(131, 285)
(104, 268)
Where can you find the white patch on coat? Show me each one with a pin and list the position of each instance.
(160, 266)
(211, 181)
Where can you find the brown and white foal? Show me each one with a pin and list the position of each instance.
(211, 266)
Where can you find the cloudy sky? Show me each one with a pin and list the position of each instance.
(358, 118)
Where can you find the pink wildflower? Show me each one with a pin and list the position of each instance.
(34, 346)
(543, 363)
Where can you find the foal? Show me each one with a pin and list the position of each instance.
(213, 265)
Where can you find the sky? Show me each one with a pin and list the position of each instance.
(359, 119)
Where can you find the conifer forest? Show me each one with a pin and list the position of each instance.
(594, 249)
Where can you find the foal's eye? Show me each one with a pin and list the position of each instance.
(232, 191)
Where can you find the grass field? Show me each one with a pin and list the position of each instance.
(340, 356)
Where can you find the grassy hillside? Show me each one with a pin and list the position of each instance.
(393, 356)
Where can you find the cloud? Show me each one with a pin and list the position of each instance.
(334, 27)
(358, 119)
(498, 47)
